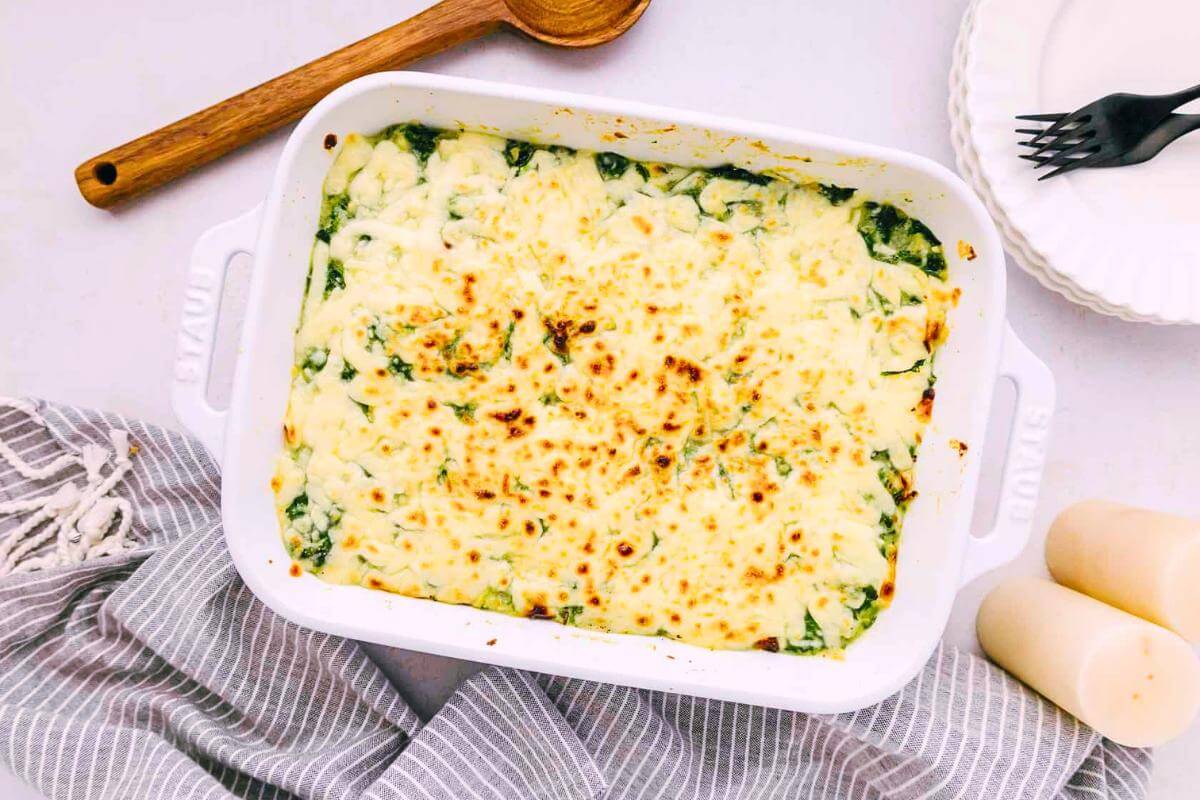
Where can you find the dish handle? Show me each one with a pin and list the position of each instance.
(1024, 463)
(211, 255)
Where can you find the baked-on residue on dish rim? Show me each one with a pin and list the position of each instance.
(624, 395)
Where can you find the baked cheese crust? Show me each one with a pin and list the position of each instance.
(629, 396)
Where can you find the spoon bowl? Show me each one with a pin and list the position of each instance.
(574, 23)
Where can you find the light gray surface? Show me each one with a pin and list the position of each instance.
(89, 300)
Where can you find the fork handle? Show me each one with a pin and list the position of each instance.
(1173, 127)
(1186, 96)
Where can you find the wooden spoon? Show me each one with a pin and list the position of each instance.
(167, 153)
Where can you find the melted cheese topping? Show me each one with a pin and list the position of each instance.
(635, 397)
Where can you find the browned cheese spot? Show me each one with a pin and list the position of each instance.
(770, 644)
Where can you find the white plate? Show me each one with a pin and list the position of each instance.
(1129, 238)
(968, 167)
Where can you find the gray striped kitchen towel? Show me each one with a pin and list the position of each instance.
(135, 664)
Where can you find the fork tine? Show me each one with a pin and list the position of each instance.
(1036, 133)
(1041, 117)
(1044, 161)
(1055, 132)
(1061, 143)
(1083, 147)
(1073, 164)
(1062, 157)
(1070, 156)
(1073, 122)
(1071, 137)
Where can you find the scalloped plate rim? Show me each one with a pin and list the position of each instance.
(1096, 273)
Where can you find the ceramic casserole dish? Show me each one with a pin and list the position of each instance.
(937, 552)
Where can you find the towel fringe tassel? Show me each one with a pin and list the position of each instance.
(78, 518)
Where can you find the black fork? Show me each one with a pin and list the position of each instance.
(1101, 132)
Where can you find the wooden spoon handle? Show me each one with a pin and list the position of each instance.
(167, 153)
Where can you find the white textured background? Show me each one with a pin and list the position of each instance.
(89, 300)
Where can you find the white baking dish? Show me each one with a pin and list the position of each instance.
(937, 552)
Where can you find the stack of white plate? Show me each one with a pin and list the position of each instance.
(1126, 241)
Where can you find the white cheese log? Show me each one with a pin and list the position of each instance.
(1134, 682)
(1143, 562)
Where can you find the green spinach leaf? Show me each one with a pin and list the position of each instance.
(894, 237)
(335, 210)
(892, 478)
(497, 600)
(568, 614)
(422, 140)
(518, 154)
(464, 411)
(732, 173)
(814, 637)
(398, 366)
(314, 362)
(920, 362)
(836, 195)
(335, 278)
(611, 165)
(298, 507)
(506, 345)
